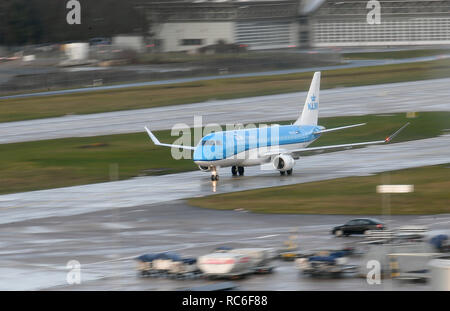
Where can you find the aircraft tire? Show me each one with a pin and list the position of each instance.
(234, 170)
(241, 170)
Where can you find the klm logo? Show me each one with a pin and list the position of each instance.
(313, 105)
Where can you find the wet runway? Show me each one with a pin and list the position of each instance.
(34, 253)
(69, 201)
(428, 95)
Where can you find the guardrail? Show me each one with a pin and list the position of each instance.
(402, 233)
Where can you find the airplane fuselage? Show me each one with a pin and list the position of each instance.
(248, 147)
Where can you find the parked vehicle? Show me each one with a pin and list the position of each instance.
(99, 41)
(441, 242)
(325, 263)
(260, 258)
(167, 264)
(225, 265)
(235, 263)
(358, 226)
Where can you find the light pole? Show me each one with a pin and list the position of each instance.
(386, 190)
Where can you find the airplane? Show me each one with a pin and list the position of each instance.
(280, 145)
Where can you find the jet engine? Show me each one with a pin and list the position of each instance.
(283, 162)
(203, 168)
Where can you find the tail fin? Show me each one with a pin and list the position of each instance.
(310, 112)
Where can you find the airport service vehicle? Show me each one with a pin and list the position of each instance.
(167, 264)
(260, 258)
(325, 263)
(277, 146)
(235, 263)
(441, 242)
(358, 226)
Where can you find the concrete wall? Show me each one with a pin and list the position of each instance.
(172, 34)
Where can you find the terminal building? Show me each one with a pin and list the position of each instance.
(402, 22)
(258, 24)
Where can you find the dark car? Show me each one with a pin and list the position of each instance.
(358, 226)
(99, 41)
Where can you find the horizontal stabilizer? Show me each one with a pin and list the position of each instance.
(338, 128)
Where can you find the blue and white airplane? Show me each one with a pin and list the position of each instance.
(280, 145)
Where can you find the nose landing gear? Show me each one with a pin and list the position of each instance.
(214, 175)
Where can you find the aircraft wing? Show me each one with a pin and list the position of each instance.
(157, 142)
(338, 128)
(296, 151)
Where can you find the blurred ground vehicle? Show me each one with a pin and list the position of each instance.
(99, 41)
(358, 226)
(167, 265)
(236, 263)
(224, 262)
(441, 243)
(325, 263)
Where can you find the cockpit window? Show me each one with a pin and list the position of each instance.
(211, 142)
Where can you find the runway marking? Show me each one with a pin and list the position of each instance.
(266, 236)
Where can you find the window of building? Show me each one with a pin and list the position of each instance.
(192, 42)
(304, 37)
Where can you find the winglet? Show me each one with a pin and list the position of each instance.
(388, 139)
(157, 142)
(152, 137)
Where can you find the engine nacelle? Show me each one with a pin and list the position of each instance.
(283, 162)
(203, 168)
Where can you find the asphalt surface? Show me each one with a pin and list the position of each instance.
(68, 201)
(428, 95)
(34, 253)
(350, 64)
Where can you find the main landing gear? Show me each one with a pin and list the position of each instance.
(235, 170)
(289, 172)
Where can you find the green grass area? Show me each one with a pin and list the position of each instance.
(74, 161)
(351, 196)
(424, 125)
(395, 54)
(183, 93)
